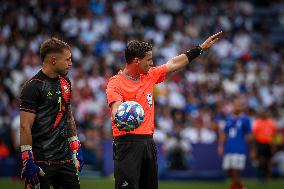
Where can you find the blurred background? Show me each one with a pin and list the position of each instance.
(247, 63)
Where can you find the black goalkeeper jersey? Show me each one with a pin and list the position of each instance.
(48, 98)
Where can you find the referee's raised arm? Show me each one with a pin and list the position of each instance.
(180, 61)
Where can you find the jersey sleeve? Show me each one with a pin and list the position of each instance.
(159, 73)
(226, 127)
(255, 126)
(274, 127)
(29, 97)
(69, 81)
(113, 93)
(247, 126)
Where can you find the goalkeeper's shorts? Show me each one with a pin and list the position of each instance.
(59, 175)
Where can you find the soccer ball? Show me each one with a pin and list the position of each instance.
(129, 116)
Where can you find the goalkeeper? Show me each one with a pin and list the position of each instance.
(51, 153)
(135, 154)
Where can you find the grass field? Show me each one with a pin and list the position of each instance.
(7, 183)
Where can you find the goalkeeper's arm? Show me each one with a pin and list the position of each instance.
(74, 142)
(26, 122)
(30, 170)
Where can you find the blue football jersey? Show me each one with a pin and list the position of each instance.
(236, 128)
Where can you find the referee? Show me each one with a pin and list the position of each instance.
(135, 153)
(264, 129)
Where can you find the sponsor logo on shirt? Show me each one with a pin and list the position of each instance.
(49, 93)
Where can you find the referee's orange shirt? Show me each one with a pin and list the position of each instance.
(264, 130)
(122, 88)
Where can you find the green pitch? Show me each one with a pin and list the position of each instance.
(7, 183)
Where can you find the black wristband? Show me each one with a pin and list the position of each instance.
(193, 53)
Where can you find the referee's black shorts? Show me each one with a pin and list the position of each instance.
(264, 150)
(135, 162)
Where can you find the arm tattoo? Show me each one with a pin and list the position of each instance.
(71, 121)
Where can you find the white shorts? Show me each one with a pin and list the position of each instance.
(234, 161)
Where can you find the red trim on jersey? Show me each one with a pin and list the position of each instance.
(58, 119)
(65, 91)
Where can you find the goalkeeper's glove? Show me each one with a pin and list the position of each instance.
(77, 155)
(30, 170)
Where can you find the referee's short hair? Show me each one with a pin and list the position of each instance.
(52, 45)
(136, 49)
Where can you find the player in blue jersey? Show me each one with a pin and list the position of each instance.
(233, 143)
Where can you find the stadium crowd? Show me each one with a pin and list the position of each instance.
(191, 105)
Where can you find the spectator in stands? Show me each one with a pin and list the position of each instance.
(278, 162)
(4, 150)
(15, 135)
(178, 152)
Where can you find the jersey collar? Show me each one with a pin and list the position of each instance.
(129, 77)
